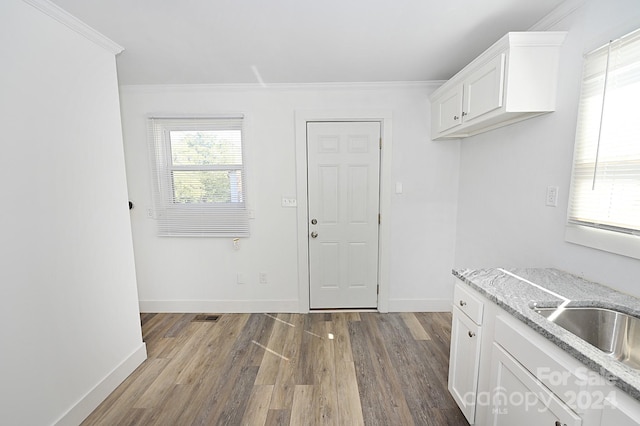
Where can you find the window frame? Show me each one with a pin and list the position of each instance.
(200, 219)
(613, 239)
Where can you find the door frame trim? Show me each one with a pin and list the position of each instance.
(384, 235)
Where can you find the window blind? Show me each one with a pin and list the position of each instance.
(199, 176)
(605, 190)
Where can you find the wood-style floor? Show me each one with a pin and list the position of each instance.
(289, 369)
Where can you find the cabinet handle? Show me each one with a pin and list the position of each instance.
(463, 303)
(455, 117)
(464, 113)
(472, 334)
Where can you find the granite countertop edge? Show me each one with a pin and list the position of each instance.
(517, 290)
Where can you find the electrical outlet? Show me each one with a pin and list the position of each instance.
(262, 276)
(552, 196)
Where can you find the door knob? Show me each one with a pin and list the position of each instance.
(314, 221)
(314, 234)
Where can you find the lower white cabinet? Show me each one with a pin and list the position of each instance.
(502, 372)
(464, 363)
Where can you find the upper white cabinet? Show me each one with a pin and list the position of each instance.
(513, 80)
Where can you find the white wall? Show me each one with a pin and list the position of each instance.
(68, 306)
(194, 274)
(502, 217)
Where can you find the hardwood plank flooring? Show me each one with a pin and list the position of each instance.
(289, 369)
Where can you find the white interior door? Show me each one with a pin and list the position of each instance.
(343, 160)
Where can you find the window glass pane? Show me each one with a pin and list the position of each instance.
(205, 148)
(220, 186)
(620, 125)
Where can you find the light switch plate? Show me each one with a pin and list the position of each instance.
(552, 196)
(289, 202)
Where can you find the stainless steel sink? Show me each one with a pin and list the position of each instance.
(614, 333)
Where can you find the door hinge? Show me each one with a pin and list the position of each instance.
(379, 219)
(380, 143)
(378, 289)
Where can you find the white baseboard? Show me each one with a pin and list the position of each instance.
(101, 391)
(220, 306)
(289, 306)
(420, 305)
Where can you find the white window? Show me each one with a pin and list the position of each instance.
(198, 171)
(604, 206)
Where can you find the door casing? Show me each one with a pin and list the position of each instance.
(301, 119)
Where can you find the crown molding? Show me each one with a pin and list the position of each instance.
(54, 11)
(563, 10)
(146, 88)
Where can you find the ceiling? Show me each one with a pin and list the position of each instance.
(301, 41)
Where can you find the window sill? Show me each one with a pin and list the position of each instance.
(602, 239)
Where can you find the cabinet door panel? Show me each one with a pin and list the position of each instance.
(518, 398)
(620, 411)
(464, 363)
(484, 89)
(449, 110)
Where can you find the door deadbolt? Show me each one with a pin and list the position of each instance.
(314, 234)
(314, 221)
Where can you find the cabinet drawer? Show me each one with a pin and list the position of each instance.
(464, 300)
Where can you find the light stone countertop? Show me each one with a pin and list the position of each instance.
(516, 291)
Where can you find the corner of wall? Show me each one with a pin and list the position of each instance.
(54, 11)
(101, 391)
